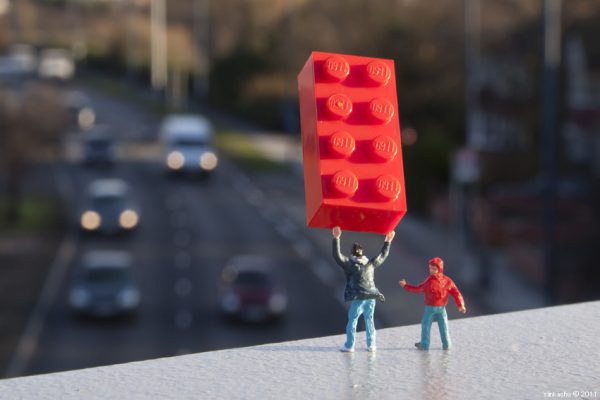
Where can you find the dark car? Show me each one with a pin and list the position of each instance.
(250, 290)
(98, 148)
(109, 209)
(104, 286)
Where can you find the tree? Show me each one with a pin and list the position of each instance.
(31, 122)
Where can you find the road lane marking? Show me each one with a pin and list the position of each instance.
(183, 319)
(182, 238)
(29, 340)
(179, 219)
(183, 287)
(66, 251)
(183, 260)
(174, 201)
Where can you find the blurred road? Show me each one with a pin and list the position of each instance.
(188, 230)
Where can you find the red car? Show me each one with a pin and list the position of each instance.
(250, 290)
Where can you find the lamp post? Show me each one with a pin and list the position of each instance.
(158, 45)
(552, 55)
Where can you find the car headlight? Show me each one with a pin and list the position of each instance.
(230, 303)
(175, 160)
(86, 118)
(128, 219)
(129, 298)
(90, 220)
(277, 303)
(79, 298)
(208, 161)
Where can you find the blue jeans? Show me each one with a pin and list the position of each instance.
(438, 314)
(366, 308)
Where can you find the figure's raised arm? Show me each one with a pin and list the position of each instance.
(339, 258)
(385, 250)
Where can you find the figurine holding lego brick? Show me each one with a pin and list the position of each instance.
(360, 287)
(436, 287)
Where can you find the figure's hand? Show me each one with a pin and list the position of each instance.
(390, 236)
(337, 232)
(462, 310)
(402, 282)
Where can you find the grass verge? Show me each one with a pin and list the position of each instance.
(36, 215)
(239, 148)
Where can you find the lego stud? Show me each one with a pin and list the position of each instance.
(381, 110)
(384, 148)
(378, 72)
(344, 183)
(336, 68)
(341, 144)
(339, 105)
(388, 186)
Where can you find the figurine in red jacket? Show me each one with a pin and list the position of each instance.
(437, 287)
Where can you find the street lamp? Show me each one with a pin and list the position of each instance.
(158, 44)
(4, 6)
(552, 55)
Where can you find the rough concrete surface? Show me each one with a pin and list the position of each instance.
(533, 354)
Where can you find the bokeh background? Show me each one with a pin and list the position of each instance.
(500, 115)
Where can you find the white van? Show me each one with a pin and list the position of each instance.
(187, 144)
(56, 64)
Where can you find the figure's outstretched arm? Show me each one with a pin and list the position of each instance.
(412, 288)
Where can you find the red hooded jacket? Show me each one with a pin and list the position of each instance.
(437, 288)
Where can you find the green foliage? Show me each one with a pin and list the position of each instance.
(238, 147)
(35, 215)
(230, 74)
(426, 167)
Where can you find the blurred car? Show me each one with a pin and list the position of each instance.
(24, 58)
(250, 290)
(187, 145)
(109, 210)
(104, 286)
(81, 111)
(98, 148)
(56, 64)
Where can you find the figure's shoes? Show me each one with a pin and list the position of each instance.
(446, 347)
(418, 346)
(372, 349)
(345, 349)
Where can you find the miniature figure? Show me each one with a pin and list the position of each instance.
(437, 287)
(360, 287)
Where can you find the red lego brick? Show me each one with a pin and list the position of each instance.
(353, 172)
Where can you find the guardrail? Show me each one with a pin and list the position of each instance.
(543, 353)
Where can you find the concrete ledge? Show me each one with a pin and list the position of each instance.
(533, 354)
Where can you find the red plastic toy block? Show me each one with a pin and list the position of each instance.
(353, 173)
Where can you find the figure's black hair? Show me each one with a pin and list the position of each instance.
(357, 248)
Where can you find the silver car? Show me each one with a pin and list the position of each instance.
(187, 145)
(104, 286)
